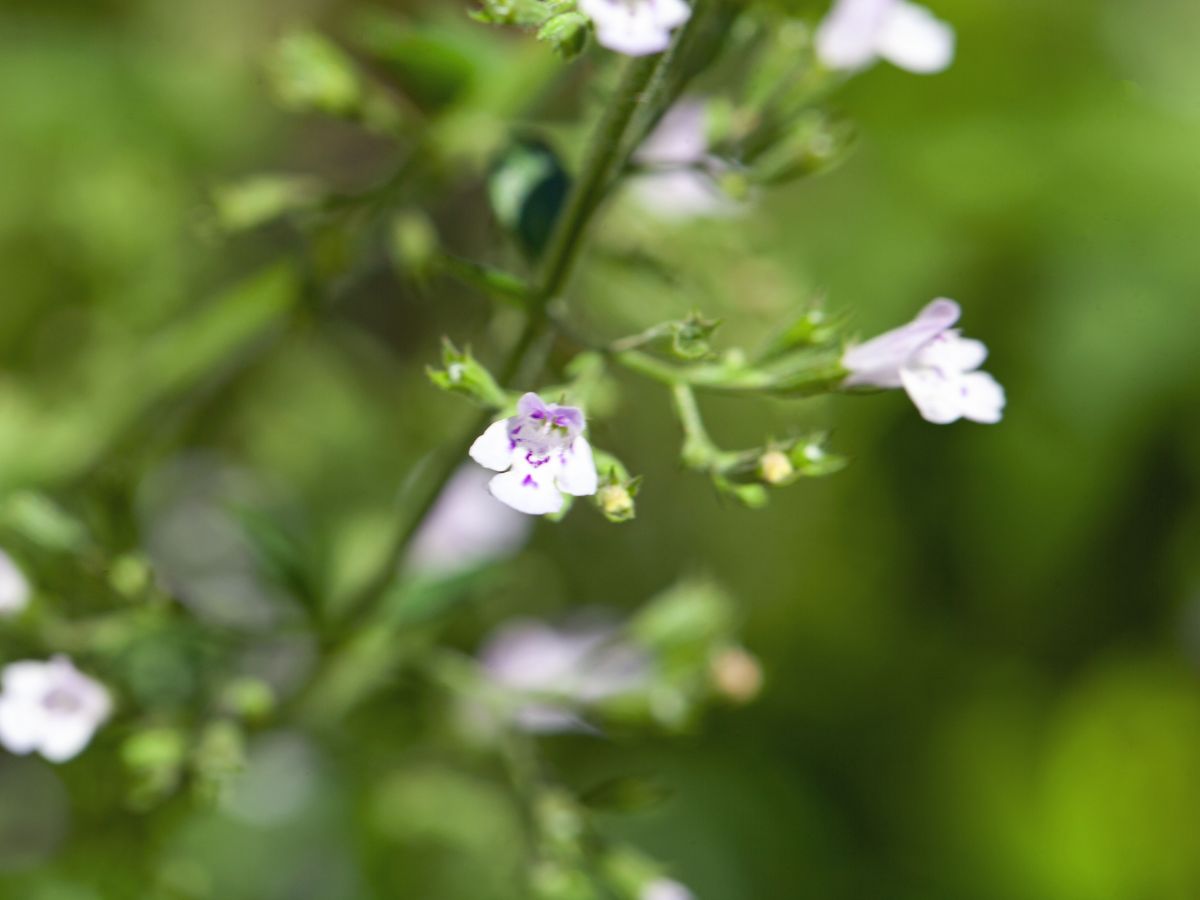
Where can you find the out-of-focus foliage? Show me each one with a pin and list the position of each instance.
(979, 648)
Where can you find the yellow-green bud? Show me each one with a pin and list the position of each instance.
(774, 467)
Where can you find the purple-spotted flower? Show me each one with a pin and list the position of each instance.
(635, 27)
(50, 707)
(540, 453)
(14, 588)
(855, 33)
(555, 674)
(933, 363)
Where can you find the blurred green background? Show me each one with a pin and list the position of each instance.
(980, 643)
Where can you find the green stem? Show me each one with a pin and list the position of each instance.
(606, 156)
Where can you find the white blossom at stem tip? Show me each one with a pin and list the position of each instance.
(857, 32)
(540, 454)
(50, 708)
(635, 27)
(935, 365)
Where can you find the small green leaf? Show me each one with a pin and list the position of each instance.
(464, 375)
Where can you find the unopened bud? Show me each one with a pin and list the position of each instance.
(615, 502)
(736, 675)
(774, 467)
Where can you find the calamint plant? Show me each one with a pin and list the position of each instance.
(699, 109)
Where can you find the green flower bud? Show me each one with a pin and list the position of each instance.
(464, 375)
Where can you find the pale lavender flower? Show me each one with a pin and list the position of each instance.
(50, 707)
(666, 889)
(635, 27)
(857, 32)
(541, 454)
(558, 673)
(14, 588)
(933, 363)
(680, 181)
(467, 527)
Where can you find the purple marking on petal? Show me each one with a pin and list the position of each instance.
(529, 482)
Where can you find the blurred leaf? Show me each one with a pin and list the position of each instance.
(309, 73)
(254, 201)
(627, 794)
(527, 188)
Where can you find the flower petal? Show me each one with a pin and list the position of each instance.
(914, 39)
(938, 399)
(494, 448)
(846, 38)
(532, 405)
(877, 363)
(952, 353)
(577, 470)
(982, 398)
(527, 490)
(22, 724)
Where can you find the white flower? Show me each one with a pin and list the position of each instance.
(14, 588)
(50, 707)
(680, 181)
(665, 889)
(635, 27)
(857, 32)
(933, 363)
(466, 528)
(541, 454)
(557, 673)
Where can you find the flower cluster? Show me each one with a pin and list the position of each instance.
(541, 454)
(935, 365)
(50, 708)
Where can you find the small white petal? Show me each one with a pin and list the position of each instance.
(680, 137)
(528, 490)
(847, 37)
(952, 353)
(670, 13)
(665, 889)
(493, 449)
(914, 39)
(14, 588)
(938, 399)
(635, 28)
(577, 470)
(982, 398)
(65, 736)
(21, 725)
(633, 41)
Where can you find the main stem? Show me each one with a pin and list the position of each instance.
(604, 159)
